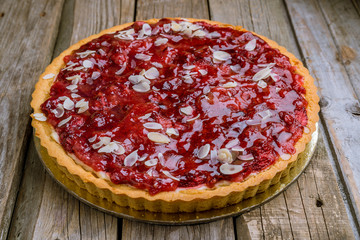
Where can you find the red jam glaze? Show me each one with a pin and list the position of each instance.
(225, 114)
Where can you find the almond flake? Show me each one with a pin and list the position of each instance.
(40, 117)
(225, 156)
(82, 105)
(158, 137)
(109, 148)
(168, 174)
(131, 159)
(63, 122)
(247, 157)
(265, 114)
(204, 151)
(277, 89)
(262, 84)
(141, 87)
(167, 27)
(177, 38)
(153, 126)
(142, 56)
(146, 29)
(92, 139)
(135, 79)
(285, 156)
(250, 46)
(58, 111)
(187, 110)
(48, 76)
(160, 41)
(188, 67)
(206, 89)
(176, 27)
(87, 64)
(74, 95)
(95, 75)
(229, 85)
(86, 53)
(213, 155)
(143, 157)
(156, 64)
(151, 162)
(188, 79)
(203, 72)
(232, 143)
(146, 116)
(152, 73)
(236, 68)
(221, 55)
(275, 77)
(121, 70)
(72, 88)
(262, 74)
(199, 33)
(55, 137)
(120, 150)
(68, 104)
(237, 149)
(172, 131)
(194, 118)
(78, 68)
(228, 169)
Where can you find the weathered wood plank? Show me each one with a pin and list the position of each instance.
(25, 51)
(29, 198)
(250, 226)
(338, 97)
(60, 215)
(344, 21)
(325, 199)
(214, 230)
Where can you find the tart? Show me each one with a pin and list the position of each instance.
(175, 115)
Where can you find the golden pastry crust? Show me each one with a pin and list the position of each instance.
(187, 200)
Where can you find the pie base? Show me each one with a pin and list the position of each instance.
(188, 200)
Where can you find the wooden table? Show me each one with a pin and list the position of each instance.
(323, 204)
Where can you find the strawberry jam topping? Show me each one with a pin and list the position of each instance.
(176, 105)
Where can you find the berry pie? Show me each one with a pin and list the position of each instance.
(175, 115)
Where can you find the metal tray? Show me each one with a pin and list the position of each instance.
(177, 218)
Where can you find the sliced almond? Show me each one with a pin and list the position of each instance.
(204, 151)
(156, 64)
(72, 88)
(176, 27)
(246, 157)
(250, 46)
(55, 137)
(68, 104)
(221, 55)
(160, 41)
(152, 73)
(146, 116)
(262, 84)
(146, 29)
(142, 56)
(141, 87)
(151, 162)
(225, 156)
(167, 27)
(109, 148)
(135, 79)
(92, 139)
(228, 169)
(131, 159)
(158, 137)
(168, 174)
(229, 85)
(236, 68)
(87, 64)
(59, 111)
(232, 143)
(199, 33)
(203, 72)
(153, 126)
(63, 122)
(237, 149)
(187, 110)
(172, 131)
(262, 74)
(192, 119)
(48, 76)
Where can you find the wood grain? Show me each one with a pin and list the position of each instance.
(338, 97)
(60, 215)
(25, 51)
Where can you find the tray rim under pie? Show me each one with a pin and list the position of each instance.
(177, 218)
